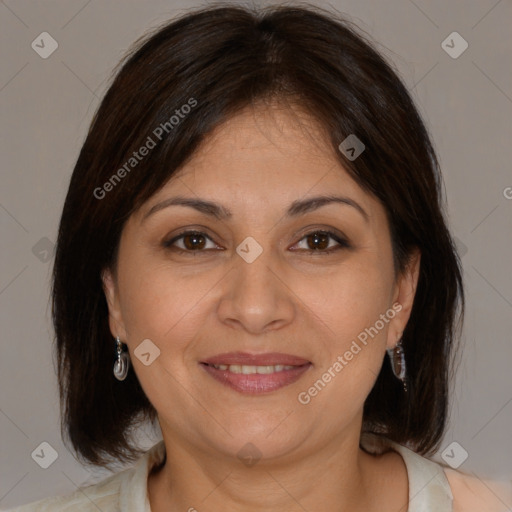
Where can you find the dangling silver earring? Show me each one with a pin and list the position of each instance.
(397, 359)
(122, 364)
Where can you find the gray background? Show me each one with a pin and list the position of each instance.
(46, 106)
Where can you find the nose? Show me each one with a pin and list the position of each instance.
(257, 297)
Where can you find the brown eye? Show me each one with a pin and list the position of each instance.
(320, 241)
(190, 241)
(194, 241)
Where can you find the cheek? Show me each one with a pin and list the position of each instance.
(160, 303)
(349, 299)
(350, 333)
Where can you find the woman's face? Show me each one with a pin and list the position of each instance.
(258, 281)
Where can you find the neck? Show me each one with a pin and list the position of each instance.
(336, 476)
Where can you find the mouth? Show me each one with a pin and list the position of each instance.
(255, 373)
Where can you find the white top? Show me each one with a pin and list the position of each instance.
(127, 490)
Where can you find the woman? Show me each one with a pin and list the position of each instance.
(253, 223)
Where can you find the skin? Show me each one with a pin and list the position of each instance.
(473, 494)
(290, 299)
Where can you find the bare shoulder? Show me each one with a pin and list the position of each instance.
(471, 493)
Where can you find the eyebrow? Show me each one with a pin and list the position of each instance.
(299, 207)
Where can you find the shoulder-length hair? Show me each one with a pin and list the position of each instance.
(218, 60)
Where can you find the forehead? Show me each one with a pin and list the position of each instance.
(268, 128)
(265, 152)
(260, 161)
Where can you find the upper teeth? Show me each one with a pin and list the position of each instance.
(238, 368)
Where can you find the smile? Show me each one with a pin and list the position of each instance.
(248, 370)
(252, 379)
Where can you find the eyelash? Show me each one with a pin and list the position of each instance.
(343, 243)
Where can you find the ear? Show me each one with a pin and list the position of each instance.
(115, 317)
(403, 298)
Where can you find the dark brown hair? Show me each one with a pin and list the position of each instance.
(219, 60)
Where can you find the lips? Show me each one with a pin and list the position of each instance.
(268, 359)
(255, 373)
